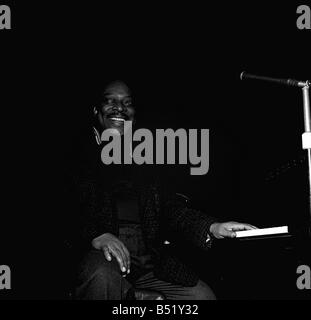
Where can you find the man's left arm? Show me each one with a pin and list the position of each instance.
(197, 227)
(192, 225)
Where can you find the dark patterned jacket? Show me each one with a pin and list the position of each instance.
(164, 216)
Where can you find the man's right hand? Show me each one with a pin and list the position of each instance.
(112, 246)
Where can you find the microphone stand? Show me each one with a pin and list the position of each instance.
(306, 136)
(306, 140)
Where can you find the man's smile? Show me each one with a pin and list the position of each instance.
(117, 119)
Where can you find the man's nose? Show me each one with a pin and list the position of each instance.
(119, 107)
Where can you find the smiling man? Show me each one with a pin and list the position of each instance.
(127, 214)
(116, 107)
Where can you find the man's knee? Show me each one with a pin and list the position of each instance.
(99, 279)
(95, 266)
(203, 292)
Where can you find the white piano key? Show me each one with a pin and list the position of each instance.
(262, 232)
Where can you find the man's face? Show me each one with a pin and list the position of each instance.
(116, 107)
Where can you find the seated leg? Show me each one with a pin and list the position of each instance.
(171, 291)
(99, 279)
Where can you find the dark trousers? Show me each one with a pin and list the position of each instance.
(99, 279)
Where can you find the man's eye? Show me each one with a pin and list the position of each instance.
(107, 101)
(127, 103)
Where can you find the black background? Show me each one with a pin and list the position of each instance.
(183, 63)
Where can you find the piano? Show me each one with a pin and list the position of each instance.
(262, 264)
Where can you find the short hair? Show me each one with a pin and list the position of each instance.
(100, 91)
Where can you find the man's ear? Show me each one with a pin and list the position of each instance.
(95, 111)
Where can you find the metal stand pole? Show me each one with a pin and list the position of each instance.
(306, 136)
(306, 140)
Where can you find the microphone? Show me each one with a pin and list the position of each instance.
(287, 82)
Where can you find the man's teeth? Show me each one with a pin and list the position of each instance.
(117, 119)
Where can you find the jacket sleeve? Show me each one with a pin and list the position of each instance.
(190, 224)
(95, 210)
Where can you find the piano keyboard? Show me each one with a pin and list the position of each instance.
(258, 233)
